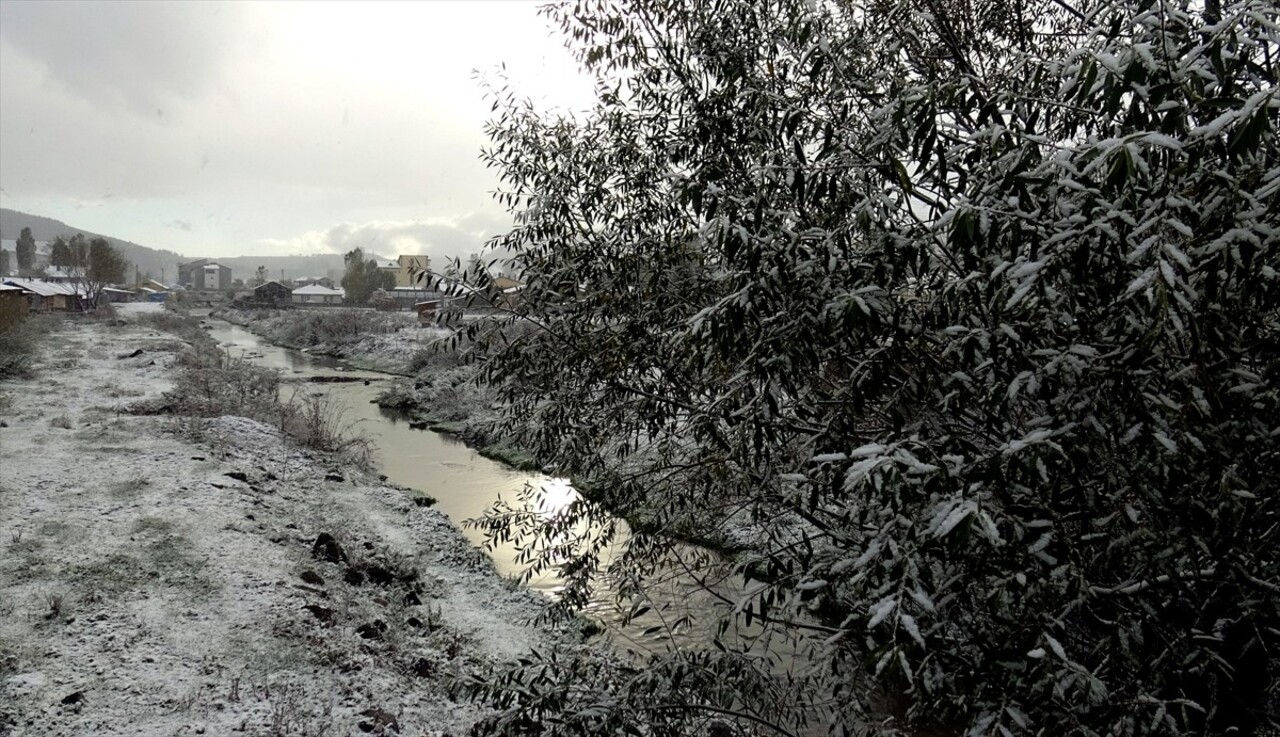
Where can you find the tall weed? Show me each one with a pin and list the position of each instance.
(20, 346)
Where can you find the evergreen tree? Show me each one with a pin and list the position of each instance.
(25, 249)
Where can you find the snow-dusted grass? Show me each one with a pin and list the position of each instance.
(369, 339)
(154, 585)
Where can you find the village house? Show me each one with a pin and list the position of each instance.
(411, 270)
(318, 295)
(272, 293)
(112, 294)
(391, 267)
(204, 275)
(49, 296)
(307, 281)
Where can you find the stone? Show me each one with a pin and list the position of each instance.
(323, 614)
(328, 549)
(372, 630)
(378, 719)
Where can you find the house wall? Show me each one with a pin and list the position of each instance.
(13, 308)
(271, 293)
(409, 267)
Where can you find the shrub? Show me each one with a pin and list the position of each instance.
(982, 294)
(319, 421)
(20, 346)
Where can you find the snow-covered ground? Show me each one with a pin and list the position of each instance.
(160, 576)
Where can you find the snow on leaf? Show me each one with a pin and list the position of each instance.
(881, 610)
(957, 515)
(1056, 647)
(1164, 440)
(908, 623)
(922, 599)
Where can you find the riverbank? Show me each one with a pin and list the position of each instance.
(439, 393)
(387, 342)
(173, 576)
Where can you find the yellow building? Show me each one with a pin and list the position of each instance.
(409, 269)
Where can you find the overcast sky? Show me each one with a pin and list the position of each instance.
(222, 129)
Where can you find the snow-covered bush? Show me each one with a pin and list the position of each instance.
(985, 294)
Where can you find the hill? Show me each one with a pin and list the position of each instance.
(46, 229)
(160, 262)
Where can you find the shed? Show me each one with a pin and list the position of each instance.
(272, 292)
(113, 294)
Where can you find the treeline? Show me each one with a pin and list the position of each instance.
(93, 262)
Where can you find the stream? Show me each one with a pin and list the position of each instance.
(465, 484)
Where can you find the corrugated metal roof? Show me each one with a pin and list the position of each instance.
(47, 288)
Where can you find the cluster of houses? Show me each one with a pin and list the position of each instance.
(306, 291)
(61, 293)
(206, 280)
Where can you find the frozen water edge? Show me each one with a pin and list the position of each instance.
(158, 595)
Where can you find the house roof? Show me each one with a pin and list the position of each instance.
(10, 288)
(269, 283)
(316, 289)
(46, 288)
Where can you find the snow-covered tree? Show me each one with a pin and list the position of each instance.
(970, 310)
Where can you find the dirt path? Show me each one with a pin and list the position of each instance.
(160, 577)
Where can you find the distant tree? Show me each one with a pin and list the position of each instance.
(379, 278)
(260, 276)
(26, 251)
(60, 253)
(103, 266)
(363, 277)
(77, 255)
(4, 263)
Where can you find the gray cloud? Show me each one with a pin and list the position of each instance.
(440, 240)
(144, 55)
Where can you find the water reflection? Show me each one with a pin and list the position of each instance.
(466, 484)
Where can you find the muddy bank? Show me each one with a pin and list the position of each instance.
(167, 575)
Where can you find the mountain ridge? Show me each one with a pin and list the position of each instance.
(162, 264)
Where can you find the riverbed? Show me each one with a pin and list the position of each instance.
(464, 484)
